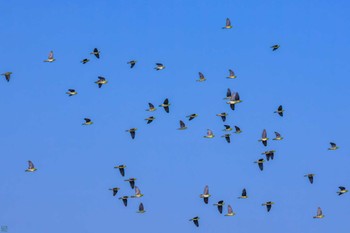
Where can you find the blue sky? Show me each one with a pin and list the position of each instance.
(69, 192)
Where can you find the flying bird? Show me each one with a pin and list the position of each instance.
(275, 47)
(342, 190)
(260, 163)
(96, 52)
(228, 94)
(333, 146)
(151, 107)
(280, 110)
(50, 57)
(159, 66)
(269, 154)
(132, 132)
(131, 182)
(182, 126)
(201, 77)
(227, 137)
(228, 24)
(71, 92)
(87, 121)
(209, 134)
(165, 105)
(244, 194)
(141, 209)
(205, 194)
(319, 213)
(220, 204)
(268, 205)
(223, 116)
(7, 76)
(238, 130)
(101, 81)
(115, 191)
(150, 119)
(230, 211)
(264, 138)
(232, 74)
(31, 167)
(132, 63)
(310, 177)
(227, 128)
(84, 61)
(192, 116)
(125, 200)
(278, 137)
(234, 99)
(137, 193)
(121, 169)
(195, 221)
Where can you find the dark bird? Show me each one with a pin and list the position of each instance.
(31, 167)
(280, 111)
(151, 107)
(228, 24)
(115, 191)
(132, 63)
(201, 77)
(220, 204)
(278, 136)
(165, 105)
(205, 194)
(87, 121)
(319, 213)
(101, 81)
(159, 66)
(238, 130)
(182, 126)
(150, 119)
(342, 190)
(71, 92)
(132, 132)
(275, 47)
(227, 128)
(310, 177)
(260, 163)
(121, 169)
(223, 116)
(230, 211)
(269, 154)
(333, 146)
(268, 205)
(232, 74)
(131, 182)
(192, 116)
(84, 61)
(50, 58)
(195, 221)
(234, 99)
(228, 94)
(227, 137)
(141, 209)
(244, 194)
(125, 200)
(264, 138)
(96, 53)
(7, 76)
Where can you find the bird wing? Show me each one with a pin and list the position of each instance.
(227, 137)
(333, 144)
(277, 134)
(206, 190)
(30, 165)
(231, 72)
(50, 55)
(151, 105)
(244, 192)
(237, 96)
(122, 171)
(237, 128)
(166, 101)
(201, 76)
(319, 211)
(228, 22)
(280, 108)
(229, 209)
(87, 120)
(264, 134)
(209, 132)
(228, 93)
(132, 133)
(182, 124)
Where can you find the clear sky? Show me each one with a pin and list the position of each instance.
(308, 75)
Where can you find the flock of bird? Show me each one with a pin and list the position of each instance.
(232, 98)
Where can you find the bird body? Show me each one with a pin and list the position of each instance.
(101, 81)
(150, 119)
(71, 92)
(96, 52)
(7, 76)
(138, 193)
(182, 126)
(201, 77)
(220, 204)
(121, 169)
(244, 194)
(275, 47)
(88, 121)
(50, 58)
(333, 146)
(278, 137)
(210, 134)
(31, 167)
(115, 190)
(280, 111)
(159, 66)
(165, 105)
(228, 24)
(205, 194)
(342, 190)
(192, 116)
(260, 163)
(268, 205)
(195, 221)
(264, 138)
(319, 213)
(230, 211)
(132, 132)
(231, 75)
(132, 63)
